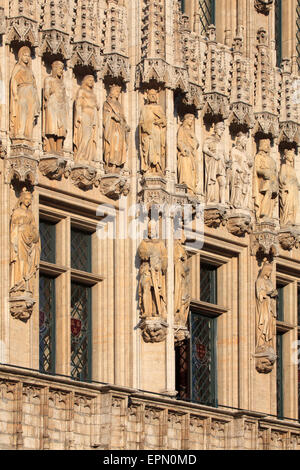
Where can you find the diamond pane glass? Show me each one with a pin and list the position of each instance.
(203, 359)
(48, 235)
(278, 38)
(182, 370)
(47, 324)
(80, 331)
(80, 250)
(280, 303)
(206, 14)
(208, 283)
(298, 32)
(279, 376)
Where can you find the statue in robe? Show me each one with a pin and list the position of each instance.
(25, 247)
(187, 145)
(55, 110)
(86, 122)
(216, 165)
(152, 128)
(182, 283)
(265, 319)
(24, 99)
(241, 174)
(115, 131)
(265, 182)
(288, 190)
(152, 285)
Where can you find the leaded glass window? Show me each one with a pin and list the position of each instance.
(182, 5)
(48, 236)
(206, 14)
(279, 367)
(182, 360)
(280, 302)
(203, 359)
(47, 324)
(278, 31)
(80, 331)
(208, 283)
(81, 250)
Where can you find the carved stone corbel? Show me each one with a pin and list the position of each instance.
(263, 6)
(22, 165)
(83, 176)
(264, 240)
(181, 334)
(289, 238)
(154, 330)
(52, 166)
(215, 215)
(21, 308)
(114, 185)
(239, 223)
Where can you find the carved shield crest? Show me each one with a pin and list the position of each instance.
(75, 326)
(201, 351)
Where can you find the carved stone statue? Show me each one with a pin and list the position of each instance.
(55, 110)
(187, 145)
(86, 122)
(265, 182)
(153, 136)
(288, 190)
(115, 131)
(152, 286)
(216, 164)
(241, 174)
(182, 282)
(24, 100)
(25, 247)
(265, 316)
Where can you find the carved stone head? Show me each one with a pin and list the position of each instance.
(152, 96)
(114, 91)
(219, 128)
(57, 68)
(88, 81)
(24, 55)
(25, 198)
(289, 156)
(264, 145)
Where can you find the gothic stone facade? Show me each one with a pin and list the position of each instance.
(110, 109)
